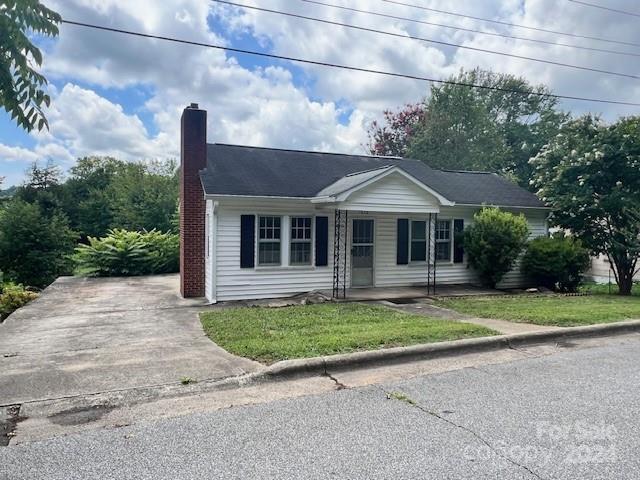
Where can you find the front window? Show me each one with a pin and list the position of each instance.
(443, 240)
(300, 241)
(269, 241)
(418, 241)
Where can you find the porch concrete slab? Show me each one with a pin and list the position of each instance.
(397, 293)
(382, 293)
(465, 290)
(85, 336)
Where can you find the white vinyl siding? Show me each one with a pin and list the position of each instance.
(234, 283)
(389, 194)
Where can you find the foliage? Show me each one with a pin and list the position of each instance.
(562, 311)
(43, 186)
(272, 334)
(8, 192)
(22, 88)
(12, 297)
(493, 242)
(459, 127)
(144, 195)
(393, 136)
(124, 253)
(34, 247)
(590, 175)
(556, 262)
(103, 193)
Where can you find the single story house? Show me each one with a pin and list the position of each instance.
(265, 223)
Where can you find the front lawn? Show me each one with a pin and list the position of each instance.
(604, 289)
(552, 310)
(272, 334)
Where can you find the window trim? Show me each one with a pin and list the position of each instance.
(426, 236)
(449, 241)
(267, 240)
(310, 241)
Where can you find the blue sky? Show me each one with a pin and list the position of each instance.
(122, 96)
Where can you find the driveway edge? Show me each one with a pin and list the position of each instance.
(321, 365)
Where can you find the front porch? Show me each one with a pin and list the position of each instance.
(406, 293)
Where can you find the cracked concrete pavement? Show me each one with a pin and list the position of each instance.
(86, 336)
(559, 411)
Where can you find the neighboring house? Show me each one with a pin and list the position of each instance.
(265, 223)
(601, 271)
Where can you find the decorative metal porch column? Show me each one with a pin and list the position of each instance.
(340, 225)
(432, 224)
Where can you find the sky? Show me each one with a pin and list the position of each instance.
(122, 96)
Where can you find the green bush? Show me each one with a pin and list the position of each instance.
(12, 297)
(556, 262)
(124, 253)
(34, 246)
(493, 243)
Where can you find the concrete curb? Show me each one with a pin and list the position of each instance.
(321, 365)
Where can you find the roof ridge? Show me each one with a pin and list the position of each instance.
(383, 167)
(451, 170)
(379, 157)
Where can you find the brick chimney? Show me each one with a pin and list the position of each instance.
(193, 158)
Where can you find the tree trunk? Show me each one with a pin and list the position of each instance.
(625, 284)
(624, 270)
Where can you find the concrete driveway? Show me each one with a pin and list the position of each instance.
(86, 336)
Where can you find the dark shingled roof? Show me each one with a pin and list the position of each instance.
(255, 171)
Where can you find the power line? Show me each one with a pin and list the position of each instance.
(602, 7)
(463, 29)
(499, 22)
(429, 40)
(343, 67)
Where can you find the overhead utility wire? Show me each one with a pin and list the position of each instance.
(499, 22)
(463, 29)
(344, 67)
(602, 7)
(429, 40)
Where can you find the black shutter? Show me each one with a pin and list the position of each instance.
(247, 240)
(458, 248)
(402, 246)
(322, 241)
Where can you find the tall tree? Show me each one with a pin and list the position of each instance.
(144, 195)
(87, 196)
(22, 88)
(590, 175)
(459, 127)
(43, 186)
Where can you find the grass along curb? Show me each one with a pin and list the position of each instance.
(322, 365)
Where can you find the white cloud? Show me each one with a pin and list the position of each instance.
(269, 106)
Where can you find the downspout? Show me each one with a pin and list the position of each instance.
(213, 232)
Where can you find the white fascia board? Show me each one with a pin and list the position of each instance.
(492, 205)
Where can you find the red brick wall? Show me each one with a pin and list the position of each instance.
(193, 158)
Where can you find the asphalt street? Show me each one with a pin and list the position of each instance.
(572, 414)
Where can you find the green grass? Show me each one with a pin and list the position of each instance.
(603, 288)
(272, 334)
(552, 310)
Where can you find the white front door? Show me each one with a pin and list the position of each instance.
(362, 252)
